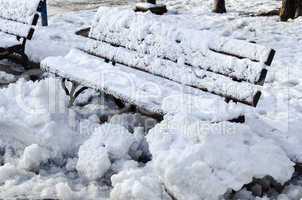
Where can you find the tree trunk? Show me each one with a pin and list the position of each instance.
(298, 8)
(290, 9)
(219, 6)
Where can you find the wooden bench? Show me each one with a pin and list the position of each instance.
(140, 60)
(18, 19)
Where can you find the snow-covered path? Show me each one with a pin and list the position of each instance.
(39, 134)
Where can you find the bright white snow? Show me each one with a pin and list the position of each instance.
(185, 149)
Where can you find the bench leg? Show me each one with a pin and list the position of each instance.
(19, 50)
(25, 60)
(73, 93)
(119, 103)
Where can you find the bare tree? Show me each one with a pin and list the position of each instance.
(290, 9)
(219, 6)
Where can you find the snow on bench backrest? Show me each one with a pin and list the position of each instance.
(16, 16)
(146, 34)
(195, 58)
(19, 10)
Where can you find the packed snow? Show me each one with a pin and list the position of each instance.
(93, 150)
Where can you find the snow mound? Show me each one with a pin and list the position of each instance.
(198, 160)
(116, 139)
(93, 160)
(36, 113)
(10, 172)
(108, 144)
(33, 156)
(137, 184)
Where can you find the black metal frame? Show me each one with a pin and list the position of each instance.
(73, 93)
(6, 53)
(17, 49)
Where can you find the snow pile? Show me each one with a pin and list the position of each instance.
(222, 156)
(93, 161)
(137, 184)
(33, 156)
(35, 113)
(108, 144)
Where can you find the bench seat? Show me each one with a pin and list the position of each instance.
(149, 92)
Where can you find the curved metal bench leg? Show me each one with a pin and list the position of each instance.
(119, 103)
(73, 93)
(25, 60)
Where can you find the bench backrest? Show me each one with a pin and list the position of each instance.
(226, 67)
(17, 17)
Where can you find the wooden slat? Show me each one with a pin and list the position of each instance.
(242, 49)
(15, 28)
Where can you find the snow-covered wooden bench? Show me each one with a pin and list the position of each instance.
(137, 58)
(18, 19)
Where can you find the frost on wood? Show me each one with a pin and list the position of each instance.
(147, 34)
(210, 81)
(15, 28)
(18, 10)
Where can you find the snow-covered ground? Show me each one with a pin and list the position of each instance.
(93, 151)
